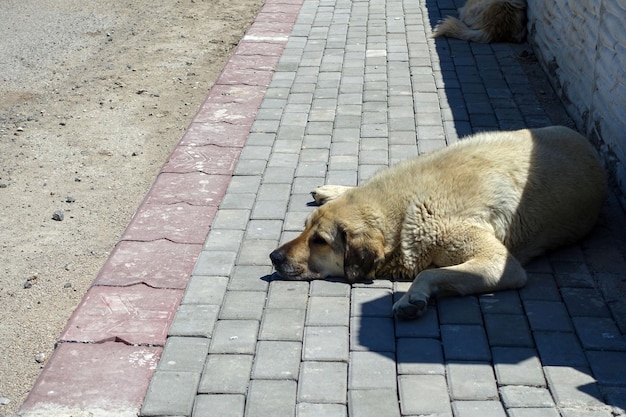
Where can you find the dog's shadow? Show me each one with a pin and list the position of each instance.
(426, 346)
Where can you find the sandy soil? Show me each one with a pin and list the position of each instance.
(94, 97)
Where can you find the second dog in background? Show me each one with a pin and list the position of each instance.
(486, 21)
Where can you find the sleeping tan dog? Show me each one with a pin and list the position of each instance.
(486, 21)
(461, 220)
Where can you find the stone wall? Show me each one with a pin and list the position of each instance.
(582, 46)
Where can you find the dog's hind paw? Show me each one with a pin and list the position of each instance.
(325, 193)
(410, 307)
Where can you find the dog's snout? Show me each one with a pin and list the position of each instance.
(277, 257)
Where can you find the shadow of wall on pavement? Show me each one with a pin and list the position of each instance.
(484, 86)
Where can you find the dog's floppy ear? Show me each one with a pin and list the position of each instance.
(364, 250)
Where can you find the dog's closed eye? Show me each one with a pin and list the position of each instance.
(318, 239)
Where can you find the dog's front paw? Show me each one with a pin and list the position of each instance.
(325, 193)
(410, 306)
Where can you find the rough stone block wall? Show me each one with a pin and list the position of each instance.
(582, 46)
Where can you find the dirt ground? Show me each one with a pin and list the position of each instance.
(94, 96)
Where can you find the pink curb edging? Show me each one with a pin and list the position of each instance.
(81, 380)
(110, 347)
(141, 263)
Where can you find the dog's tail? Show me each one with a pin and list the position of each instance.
(454, 28)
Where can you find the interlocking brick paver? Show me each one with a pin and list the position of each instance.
(184, 354)
(505, 302)
(540, 286)
(546, 412)
(215, 263)
(243, 305)
(599, 333)
(472, 381)
(459, 310)
(171, 393)
(252, 251)
(548, 315)
(572, 274)
(329, 289)
(615, 397)
(260, 229)
(423, 395)
(271, 398)
(371, 302)
(419, 356)
(226, 374)
(565, 385)
(224, 239)
(273, 192)
(515, 396)
(587, 302)
(288, 294)
(326, 343)
(373, 403)
(323, 382)
(508, 330)
(517, 366)
(205, 290)
(249, 278)
(277, 360)
(427, 326)
(234, 336)
(194, 320)
(282, 324)
(560, 349)
(231, 219)
(478, 408)
(315, 410)
(573, 412)
(371, 370)
(465, 342)
(223, 405)
(608, 367)
(372, 333)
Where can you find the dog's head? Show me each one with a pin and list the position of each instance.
(338, 240)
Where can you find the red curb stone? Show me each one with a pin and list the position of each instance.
(231, 113)
(246, 77)
(158, 264)
(180, 223)
(233, 104)
(268, 28)
(266, 48)
(108, 379)
(298, 2)
(234, 94)
(210, 159)
(195, 188)
(136, 315)
(252, 61)
(215, 133)
(286, 12)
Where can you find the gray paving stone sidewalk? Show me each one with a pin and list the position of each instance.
(361, 86)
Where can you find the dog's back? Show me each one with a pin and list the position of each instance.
(538, 189)
(562, 196)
